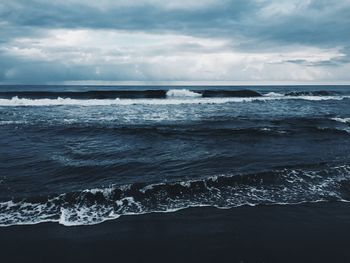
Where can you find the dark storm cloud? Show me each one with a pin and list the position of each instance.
(319, 21)
(147, 16)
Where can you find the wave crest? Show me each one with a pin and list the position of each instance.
(342, 120)
(182, 93)
(285, 186)
(16, 101)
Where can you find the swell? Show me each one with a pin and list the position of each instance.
(209, 132)
(153, 94)
(224, 127)
(129, 94)
(91, 206)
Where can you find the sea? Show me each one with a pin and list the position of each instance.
(82, 155)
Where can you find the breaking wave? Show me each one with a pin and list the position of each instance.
(93, 206)
(175, 100)
(342, 120)
(182, 93)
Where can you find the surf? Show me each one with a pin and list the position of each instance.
(93, 206)
(173, 100)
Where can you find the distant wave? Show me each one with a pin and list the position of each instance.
(94, 94)
(230, 93)
(93, 206)
(174, 100)
(130, 94)
(311, 93)
(155, 94)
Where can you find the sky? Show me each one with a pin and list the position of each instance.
(178, 41)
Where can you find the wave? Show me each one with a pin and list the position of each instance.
(93, 206)
(182, 93)
(16, 101)
(342, 120)
(230, 93)
(155, 94)
(273, 94)
(95, 94)
(311, 93)
(212, 132)
(129, 94)
(285, 127)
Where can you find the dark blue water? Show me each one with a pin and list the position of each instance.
(82, 155)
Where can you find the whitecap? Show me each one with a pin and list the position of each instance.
(342, 120)
(182, 93)
(15, 101)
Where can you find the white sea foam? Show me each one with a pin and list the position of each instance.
(273, 94)
(182, 93)
(292, 187)
(86, 215)
(342, 120)
(104, 191)
(319, 98)
(15, 101)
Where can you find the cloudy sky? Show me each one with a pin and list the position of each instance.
(155, 41)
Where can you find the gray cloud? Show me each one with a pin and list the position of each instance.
(317, 21)
(259, 30)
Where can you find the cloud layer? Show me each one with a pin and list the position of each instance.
(153, 40)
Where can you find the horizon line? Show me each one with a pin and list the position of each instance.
(182, 83)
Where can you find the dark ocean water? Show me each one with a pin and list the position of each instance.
(82, 155)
